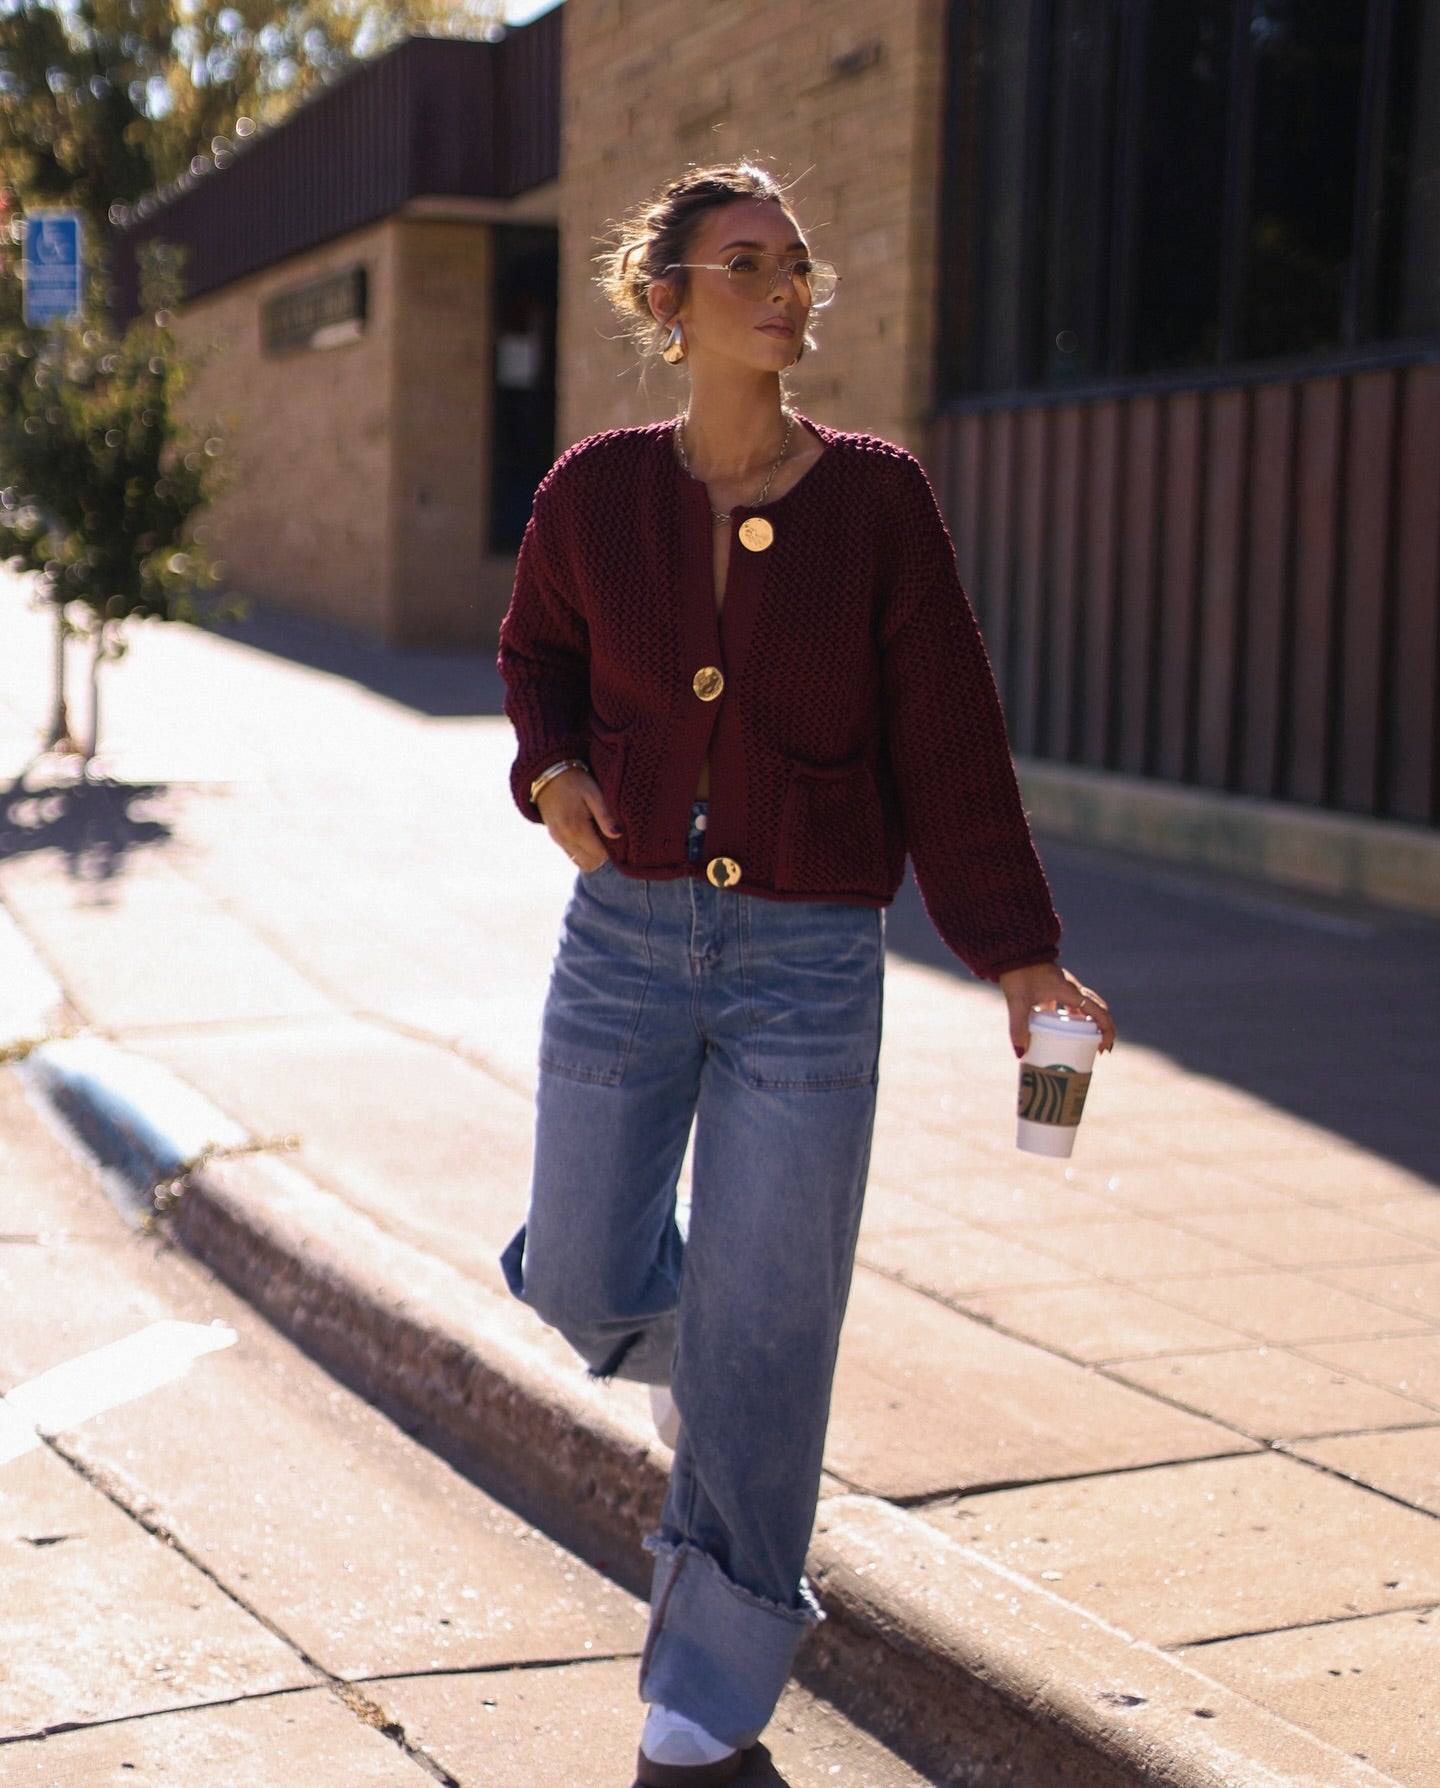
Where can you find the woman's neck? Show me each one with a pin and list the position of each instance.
(732, 426)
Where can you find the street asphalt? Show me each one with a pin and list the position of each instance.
(1164, 1415)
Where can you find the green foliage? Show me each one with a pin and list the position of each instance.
(103, 478)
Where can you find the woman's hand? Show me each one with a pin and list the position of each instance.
(1047, 984)
(574, 811)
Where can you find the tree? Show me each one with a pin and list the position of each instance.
(104, 478)
(101, 103)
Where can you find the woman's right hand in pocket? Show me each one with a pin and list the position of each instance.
(575, 815)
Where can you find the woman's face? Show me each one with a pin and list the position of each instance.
(765, 332)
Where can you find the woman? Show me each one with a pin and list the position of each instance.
(745, 682)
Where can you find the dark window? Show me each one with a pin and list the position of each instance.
(523, 429)
(1184, 91)
(1143, 186)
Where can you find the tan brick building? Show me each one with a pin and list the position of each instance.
(372, 317)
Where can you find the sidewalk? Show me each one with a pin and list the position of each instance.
(1144, 1448)
(222, 1569)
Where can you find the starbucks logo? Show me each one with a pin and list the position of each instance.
(1053, 1094)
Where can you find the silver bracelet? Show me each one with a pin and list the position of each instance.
(570, 763)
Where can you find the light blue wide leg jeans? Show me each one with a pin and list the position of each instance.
(673, 1002)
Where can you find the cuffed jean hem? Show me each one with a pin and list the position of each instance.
(644, 1355)
(715, 1652)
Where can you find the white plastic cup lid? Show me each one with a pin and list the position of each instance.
(1063, 1024)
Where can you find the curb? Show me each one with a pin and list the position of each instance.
(1341, 855)
(981, 1677)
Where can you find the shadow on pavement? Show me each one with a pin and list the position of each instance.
(444, 685)
(1305, 1003)
(94, 823)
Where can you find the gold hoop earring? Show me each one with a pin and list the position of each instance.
(676, 347)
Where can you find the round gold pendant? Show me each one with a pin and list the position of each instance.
(756, 533)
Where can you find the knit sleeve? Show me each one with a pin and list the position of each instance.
(974, 859)
(544, 655)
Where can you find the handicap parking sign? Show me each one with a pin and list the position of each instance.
(54, 270)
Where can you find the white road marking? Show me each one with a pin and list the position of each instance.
(93, 1382)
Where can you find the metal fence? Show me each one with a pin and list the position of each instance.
(1236, 587)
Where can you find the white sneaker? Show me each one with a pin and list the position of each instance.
(673, 1749)
(665, 1416)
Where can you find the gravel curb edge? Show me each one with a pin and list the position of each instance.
(979, 1676)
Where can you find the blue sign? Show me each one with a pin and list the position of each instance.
(54, 266)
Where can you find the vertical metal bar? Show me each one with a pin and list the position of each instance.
(1362, 278)
(1239, 184)
(1128, 162)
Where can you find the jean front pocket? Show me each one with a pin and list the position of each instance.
(814, 973)
(598, 985)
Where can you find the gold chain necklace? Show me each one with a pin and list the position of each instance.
(723, 515)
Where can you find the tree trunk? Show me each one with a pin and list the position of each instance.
(59, 737)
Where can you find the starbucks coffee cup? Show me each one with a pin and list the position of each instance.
(1054, 1079)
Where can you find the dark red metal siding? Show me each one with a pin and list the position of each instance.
(1096, 594)
(1363, 591)
(1062, 578)
(1272, 435)
(1226, 466)
(434, 117)
(1412, 783)
(1237, 587)
(1138, 495)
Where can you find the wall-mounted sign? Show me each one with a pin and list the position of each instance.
(54, 266)
(323, 313)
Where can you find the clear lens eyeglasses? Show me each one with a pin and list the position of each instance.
(754, 274)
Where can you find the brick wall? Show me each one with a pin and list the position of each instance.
(307, 435)
(652, 86)
(360, 473)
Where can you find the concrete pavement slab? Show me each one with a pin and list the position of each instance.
(270, 1741)
(32, 1001)
(1411, 1290)
(429, 1144)
(1303, 1236)
(40, 1176)
(1015, 1656)
(973, 1193)
(375, 1558)
(577, 1724)
(1347, 1176)
(213, 967)
(1171, 1188)
(103, 1621)
(1097, 1321)
(1407, 1364)
(1418, 1217)
(1135, 1248)
(1208, 1550)
(1271, 1393)
(1371, 1687)
(1404, 1462)
(927, 1401)
(954, 1260)
(1284, 1307)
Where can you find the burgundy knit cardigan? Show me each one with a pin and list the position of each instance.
(858, 720)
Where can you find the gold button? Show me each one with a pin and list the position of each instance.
(722, 872)
(756, 533)
(708, 682)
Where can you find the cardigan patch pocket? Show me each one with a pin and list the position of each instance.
(832, 832)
